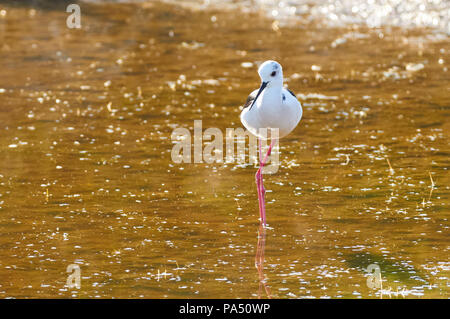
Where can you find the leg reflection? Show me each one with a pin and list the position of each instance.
(259, 261)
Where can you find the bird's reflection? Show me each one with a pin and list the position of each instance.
(259, 262)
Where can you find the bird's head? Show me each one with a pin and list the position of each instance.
(271, 73)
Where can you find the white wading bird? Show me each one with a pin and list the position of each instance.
(270, 107)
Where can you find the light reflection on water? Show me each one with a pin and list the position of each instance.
(86, 175)
(338, 13)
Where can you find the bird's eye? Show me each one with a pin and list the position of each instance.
(273, 73)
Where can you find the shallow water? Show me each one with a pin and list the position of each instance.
(86, 175)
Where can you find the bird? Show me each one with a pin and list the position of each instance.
(271, 107)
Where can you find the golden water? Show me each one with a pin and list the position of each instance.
(86, 175)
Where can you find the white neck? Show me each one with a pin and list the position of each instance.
(272, 94)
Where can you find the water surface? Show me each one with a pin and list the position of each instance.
(86, 174)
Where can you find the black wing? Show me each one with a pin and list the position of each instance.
(250, 98)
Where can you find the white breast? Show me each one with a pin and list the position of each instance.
(272, 111)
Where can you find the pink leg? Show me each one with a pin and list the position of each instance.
(262, 190)
(259, 182)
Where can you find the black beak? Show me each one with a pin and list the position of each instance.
(263, 85)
